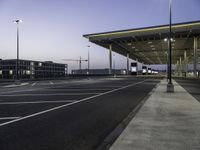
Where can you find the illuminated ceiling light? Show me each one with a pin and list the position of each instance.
(136, 50)
(17, 21)
(150, 42)
(172, 40)
(133, 47)
(153, 49)
(129, 44)
(165, 40)
(152, 46)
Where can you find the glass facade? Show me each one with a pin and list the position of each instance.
(32, 69)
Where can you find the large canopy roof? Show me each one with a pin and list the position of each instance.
(149, 45)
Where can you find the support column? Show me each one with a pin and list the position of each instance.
(185, 63)
(195, 57)
(181, 67)
(177, 68)
(110, 58)
(127, 63)
(170, 86)
(137, 65)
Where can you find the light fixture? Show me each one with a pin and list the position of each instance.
(172, 40)
(129, 44)
(165, 40)
(152, 46)
(150, 42)
(17, 21)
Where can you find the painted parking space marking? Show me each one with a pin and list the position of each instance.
(76, 89)
(9, 118)
(51, 82)
(84, 88)
(50, 94)
(18, 91)
(37, 102)
(70, 104)
(33, 84)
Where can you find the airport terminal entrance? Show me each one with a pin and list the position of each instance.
(149, 46)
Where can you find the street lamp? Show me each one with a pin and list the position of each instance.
(88, 58)
(170, 86)
(18, 21)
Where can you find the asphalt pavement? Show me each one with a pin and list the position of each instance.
(67, 115)
(192, 86)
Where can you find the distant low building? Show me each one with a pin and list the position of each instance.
(29, 69)
(98, 72)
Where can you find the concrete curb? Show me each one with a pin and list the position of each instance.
(110, 139)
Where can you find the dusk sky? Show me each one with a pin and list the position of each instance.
(53, 29)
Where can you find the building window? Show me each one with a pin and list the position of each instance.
(10, 72)
(28, 72)
(32, 63)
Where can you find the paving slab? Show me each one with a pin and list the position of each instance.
(167, 121)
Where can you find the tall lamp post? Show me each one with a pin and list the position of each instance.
(170, 86)
(88, 58)
(114, 65)
(17, 63)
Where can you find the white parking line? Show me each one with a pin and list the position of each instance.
(69, 104)
(33, 84)
(48, 94)
(9, 118)
(36, 102)
(112, 86)
(51, 82)
(77, 89)
(16, 85)
(18, 91)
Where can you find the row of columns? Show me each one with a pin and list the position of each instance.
(182, 65)
(110, 60)
(195, 57)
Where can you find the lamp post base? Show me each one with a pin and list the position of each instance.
(170, 88)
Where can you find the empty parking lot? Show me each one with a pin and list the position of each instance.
(69, 115)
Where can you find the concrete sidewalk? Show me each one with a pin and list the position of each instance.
(167, 121)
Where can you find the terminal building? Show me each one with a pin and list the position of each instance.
(28, 69)
(149, 46)
(98, 72)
